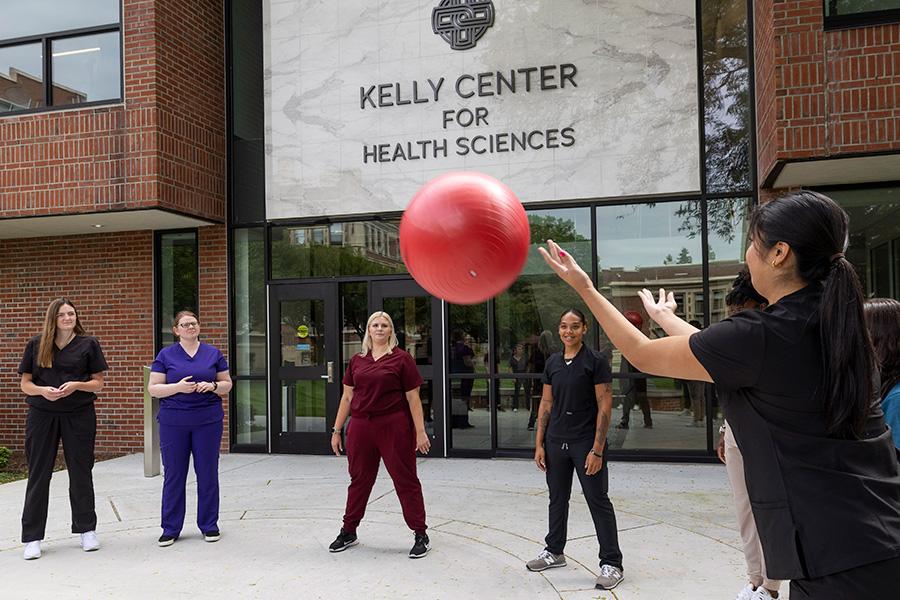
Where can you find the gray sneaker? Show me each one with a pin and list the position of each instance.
(609, 577)
(546, 560)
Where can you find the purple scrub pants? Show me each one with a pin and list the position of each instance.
(177, 444)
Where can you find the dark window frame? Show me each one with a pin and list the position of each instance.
(859, 19)
(46, 40)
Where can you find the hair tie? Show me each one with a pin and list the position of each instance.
(836, 256)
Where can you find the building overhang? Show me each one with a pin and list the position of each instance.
(818, 172)
(98, 222)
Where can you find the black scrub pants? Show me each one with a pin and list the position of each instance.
(561, 460)
(876, 581)
(43, 431)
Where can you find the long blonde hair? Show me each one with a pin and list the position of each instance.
(367, 339)
(48, 335)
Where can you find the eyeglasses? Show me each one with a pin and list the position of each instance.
(191, 325)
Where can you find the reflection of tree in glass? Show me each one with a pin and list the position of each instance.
(722, 217)
(684, 257)
(726, 94)
(848, 7)
(544, 227)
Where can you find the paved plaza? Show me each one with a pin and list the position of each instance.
(279, 513)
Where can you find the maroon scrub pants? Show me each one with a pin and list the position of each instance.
(391, 438)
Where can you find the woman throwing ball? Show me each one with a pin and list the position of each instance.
(796, 381)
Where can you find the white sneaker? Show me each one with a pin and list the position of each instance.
(89, 541)
(761, 593)
(746, 593)
(32, 550)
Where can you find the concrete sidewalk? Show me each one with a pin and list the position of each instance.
(279, 513)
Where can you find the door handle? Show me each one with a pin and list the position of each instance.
(329, 370)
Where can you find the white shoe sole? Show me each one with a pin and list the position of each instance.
(344, 547)
(90, 549)
(211, 538)
(31, 556)
(427, 550)
(600, 587)
(165, 544)
(544, 568)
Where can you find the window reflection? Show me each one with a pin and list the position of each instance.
(37, 17)
(354, 314)
(86, 69)
(249, 302)
(21, 78)
(874, 247)
(340, 249)
(178, 285)
(726, 95)
(250, 414)
(650, 246)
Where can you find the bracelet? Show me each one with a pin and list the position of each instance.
(334, 430)
(595, 454)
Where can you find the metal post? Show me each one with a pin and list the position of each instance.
(151, 430)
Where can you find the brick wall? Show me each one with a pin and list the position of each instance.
(823, 94)
(110, 278)
(163, 147)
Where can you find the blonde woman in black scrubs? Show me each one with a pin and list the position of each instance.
(797, 383)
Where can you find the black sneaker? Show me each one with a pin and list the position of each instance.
(211, 536)
(343, 541)
(165, 540)
(421, 546)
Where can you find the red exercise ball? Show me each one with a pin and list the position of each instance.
(464, 237)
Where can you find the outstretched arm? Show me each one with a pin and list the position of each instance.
(666, 357)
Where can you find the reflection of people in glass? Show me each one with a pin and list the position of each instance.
(190, 378)
(797, 382)
(741, 297)
(61, 373)
(381, 393)
(633, 388)
(518, 363)
(574, 416)
(462, 360)
(883, 319)
(540, 350)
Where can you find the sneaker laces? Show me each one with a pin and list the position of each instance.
(609, 571)
(547, 557)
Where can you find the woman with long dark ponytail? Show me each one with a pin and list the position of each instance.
(796, 382)
(883, 319)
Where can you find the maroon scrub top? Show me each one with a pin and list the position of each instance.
(380, 386)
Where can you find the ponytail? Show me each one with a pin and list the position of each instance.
(847, 354)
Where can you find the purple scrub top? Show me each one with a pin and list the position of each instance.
(195, 408)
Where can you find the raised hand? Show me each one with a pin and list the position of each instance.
(565, 266)
(661, 308)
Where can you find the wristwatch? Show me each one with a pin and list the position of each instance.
(722, 428)
(333, 431)
(595, 454)
(215, 385)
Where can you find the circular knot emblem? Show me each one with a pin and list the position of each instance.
(462, 22)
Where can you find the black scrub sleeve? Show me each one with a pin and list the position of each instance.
(27, 364)
(732, 351)
(602, 371)
(96, 361)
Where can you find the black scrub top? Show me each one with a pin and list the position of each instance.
(822, 505)
(81, 358)
(574, 413)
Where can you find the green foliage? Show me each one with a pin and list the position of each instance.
(5, 455)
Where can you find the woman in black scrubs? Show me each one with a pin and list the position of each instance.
(62, 371)
(573, 419)
(797, 383)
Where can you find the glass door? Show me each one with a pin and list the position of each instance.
(414, 313)
(305, 378)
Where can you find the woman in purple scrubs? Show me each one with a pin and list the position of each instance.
(190, 378)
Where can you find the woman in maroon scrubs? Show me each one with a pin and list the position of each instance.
(381, 393)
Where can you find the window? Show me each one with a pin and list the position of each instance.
(58, 53)
(177, 274)
(853, 13)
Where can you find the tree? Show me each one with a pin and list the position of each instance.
(684, 257)
(668, 260)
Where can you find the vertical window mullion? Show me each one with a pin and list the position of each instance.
(48, 71)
